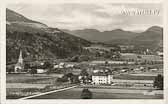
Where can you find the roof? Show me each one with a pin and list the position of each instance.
(101, 74)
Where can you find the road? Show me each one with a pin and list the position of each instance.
(46, 93)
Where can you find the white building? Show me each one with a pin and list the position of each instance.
(60, 65)
(102, 78)
(69, 66)
(40, 71)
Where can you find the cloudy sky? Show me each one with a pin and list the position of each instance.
(104, 17)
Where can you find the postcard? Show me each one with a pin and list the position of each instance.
(83, 52)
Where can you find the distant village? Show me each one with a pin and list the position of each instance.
(100, 72)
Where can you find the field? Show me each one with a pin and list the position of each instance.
(19, 85)
(133, 77)
(101, 94)
(27, 78)
(143, 57)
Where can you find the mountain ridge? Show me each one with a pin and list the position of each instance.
(14, 17)
(39, 43)
(151, 36)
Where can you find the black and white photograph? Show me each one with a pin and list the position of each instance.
(94, 50)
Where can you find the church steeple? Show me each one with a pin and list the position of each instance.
(19, 66)
(20, 60)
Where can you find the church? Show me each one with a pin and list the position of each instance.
(19, 67)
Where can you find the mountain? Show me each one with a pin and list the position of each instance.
(153, 33)
(37, 40)
(16, 18)
(151, 38)
(105, 36)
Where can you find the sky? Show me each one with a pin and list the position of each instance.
(100, 16)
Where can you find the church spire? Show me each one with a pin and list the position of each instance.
(20, 60)
(19, 66)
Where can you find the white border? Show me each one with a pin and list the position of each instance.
(3, 51)
(83, 1)
(66, 101)
(165, 39)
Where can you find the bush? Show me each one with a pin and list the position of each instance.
(31, 90)
(69, 77)
(63, 79)
(86, 94)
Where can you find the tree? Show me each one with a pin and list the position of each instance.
(33, 71)
(97, 54)
(139, 57)
(86, 94)
(75, 59)
(9, 70)
(84, 58)
(106, 63)
(26, 67)
(47, 65)
(75, 79)
(84, 73)
(63, 79)
(69, 77)
(158, 82)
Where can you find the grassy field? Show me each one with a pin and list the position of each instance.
(101, 94)
(145, 74)
(18, 85)
(134, 77)
(27, 78)
(143, 57)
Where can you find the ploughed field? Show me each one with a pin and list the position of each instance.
(97, 93)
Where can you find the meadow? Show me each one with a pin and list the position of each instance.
(28, 78)
(101, 94)
(19, 85)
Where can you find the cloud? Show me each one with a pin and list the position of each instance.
(94, 15)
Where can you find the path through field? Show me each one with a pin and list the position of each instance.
(75, 93)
